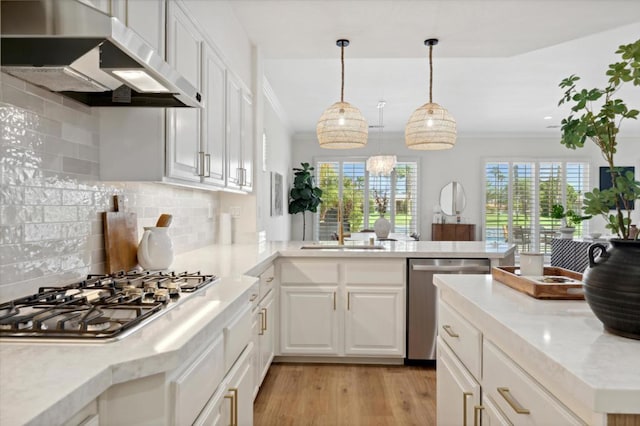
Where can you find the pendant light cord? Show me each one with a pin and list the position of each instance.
(342, 61)
(430, 74)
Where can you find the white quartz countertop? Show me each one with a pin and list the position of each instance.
(46, 383)
(561, 343)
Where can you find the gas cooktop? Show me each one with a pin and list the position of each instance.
(100, 308)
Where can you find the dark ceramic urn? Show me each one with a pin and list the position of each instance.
(612, 286)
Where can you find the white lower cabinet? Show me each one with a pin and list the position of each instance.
(232, 404)
(308, 320)
(263, 339)
(213, 385)
(497, 392)
(458, 393)
(331, 307)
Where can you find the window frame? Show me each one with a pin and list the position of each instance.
(535, 243)
(366, 211)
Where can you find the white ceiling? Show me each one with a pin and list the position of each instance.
(496, 68)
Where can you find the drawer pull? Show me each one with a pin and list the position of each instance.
(269, 279)
(264, 319)
(261, 313)
(450, 331)
(253, 297)
(476, 414)
(504, 392)
(233, 399)
(464, 407)
(348, 301)
(334, 300)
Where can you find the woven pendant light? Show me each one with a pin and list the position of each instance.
(381, 165)
(430, 127)
(342, 126)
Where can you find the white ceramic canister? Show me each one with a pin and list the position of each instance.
(532, 264)
(155, 250)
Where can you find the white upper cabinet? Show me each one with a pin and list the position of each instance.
(185, 159)
(214, 118)
(209, 147)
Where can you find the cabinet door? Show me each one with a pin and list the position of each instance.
(246, 136)
(234, 138)
(267, 335)
(256, 329)
(214, 118)
(147, 18)
(239, 410)
(374, 321)
(212, 414)
(184, 50)
(458, 392)
(308, 320)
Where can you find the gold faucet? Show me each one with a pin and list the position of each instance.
(340, 228)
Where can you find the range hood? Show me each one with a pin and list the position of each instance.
(71, 48)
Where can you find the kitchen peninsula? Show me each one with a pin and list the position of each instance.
(78, 376)
(549, 362)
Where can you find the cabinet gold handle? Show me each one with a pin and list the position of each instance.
(264, 319)
(261, 332)
(465, 395)
(476, 414)
(450, 331)
(234, 412)
(270, 279)
(334, 300)
(200, 166)
(348, 300)
(253, 297)
(504, 392)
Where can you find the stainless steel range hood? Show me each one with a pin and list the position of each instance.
(71, 48)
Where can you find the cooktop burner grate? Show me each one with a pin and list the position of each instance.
(101, 307)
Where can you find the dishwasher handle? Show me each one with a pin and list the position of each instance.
(456, 268)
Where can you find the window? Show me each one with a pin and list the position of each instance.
(364, 198)
(519, 196)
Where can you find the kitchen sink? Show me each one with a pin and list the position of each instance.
(341, 247)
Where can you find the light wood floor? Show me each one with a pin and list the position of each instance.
(337, 395)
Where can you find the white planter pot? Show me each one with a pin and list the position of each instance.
(566, 233)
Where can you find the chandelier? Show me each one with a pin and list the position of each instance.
(342, 126)
(381, 165)
(430, 127)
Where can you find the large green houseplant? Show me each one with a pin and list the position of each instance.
(596, 114)
(304, 196)
(612, 280)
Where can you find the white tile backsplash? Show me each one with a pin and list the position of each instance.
(51, 200)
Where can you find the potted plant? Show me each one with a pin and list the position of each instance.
(381, 226)
(304, 196)
(612, 280)
(569, 220)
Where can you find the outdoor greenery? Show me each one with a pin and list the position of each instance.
(597, 115)
(570, 217)
(304, 196)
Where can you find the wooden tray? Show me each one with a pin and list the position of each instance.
(542, 290)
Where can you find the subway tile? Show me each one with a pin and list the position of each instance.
(42, 196)
(73, 165)
(11, 195)
(55, 145)
(60, 213)
(76, 134)
(77, 198)
(22, 99)
(11, 234)
(59, 180)
(42, 231)
(88, 153)
(75, 230)
(17, 214)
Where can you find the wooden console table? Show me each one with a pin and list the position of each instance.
(453, 232)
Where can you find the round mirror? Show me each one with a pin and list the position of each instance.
(452, 199)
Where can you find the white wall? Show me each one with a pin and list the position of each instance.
(278, 160)
(464, 163)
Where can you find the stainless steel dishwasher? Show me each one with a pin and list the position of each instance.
(422, 309)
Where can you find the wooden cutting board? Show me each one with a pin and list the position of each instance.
(120, 238)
